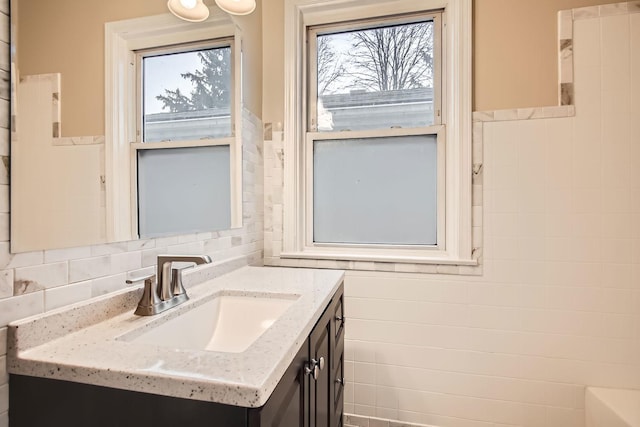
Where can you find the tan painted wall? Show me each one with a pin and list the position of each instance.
(515, 61)
(273, 62)
(67, 36)
(515, 53)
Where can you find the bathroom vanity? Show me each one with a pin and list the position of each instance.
(113, 369)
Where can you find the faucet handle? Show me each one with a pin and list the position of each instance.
(176, 282)
(150, 300)
(133, 280)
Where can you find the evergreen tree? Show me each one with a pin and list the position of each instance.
(211, 84)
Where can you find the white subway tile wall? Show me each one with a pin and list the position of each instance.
(33, 282)
(558, 306)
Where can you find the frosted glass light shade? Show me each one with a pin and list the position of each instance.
(237, 7)
(189, 10)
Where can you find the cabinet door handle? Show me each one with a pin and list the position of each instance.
(341, 319)
(312, 370)
(340, 381)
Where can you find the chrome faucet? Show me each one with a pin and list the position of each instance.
(168, 291)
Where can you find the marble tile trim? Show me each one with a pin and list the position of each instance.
(559, 111)
(268, 131)
(566, 98)
(79, 140)
(274, 187)
(565, 42)
(55, 81)
(565, 57)
(392, 267)
(56, 130)
(605, 10)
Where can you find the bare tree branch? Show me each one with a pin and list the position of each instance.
(330, 66)
(392, 58)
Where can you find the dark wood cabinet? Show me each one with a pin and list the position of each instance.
(337, 365)
(309, 394)
(327, 340)
(288, 405)
(321, 388)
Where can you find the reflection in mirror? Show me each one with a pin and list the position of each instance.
(183, 190)
(187, 92)
(100, 90)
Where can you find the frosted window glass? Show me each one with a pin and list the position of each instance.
(183, 190)
(375, 190)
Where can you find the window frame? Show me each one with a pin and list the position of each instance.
(139, 144)
(344, 250)
(177, 49)
(364, 24)
(122, 40)
(455, 109)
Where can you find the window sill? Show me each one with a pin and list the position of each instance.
(386, 258)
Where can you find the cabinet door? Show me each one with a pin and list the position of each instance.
(321, 388)
(326, 343)
(337, 358)
(288, 405)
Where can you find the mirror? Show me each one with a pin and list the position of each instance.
(81, 173)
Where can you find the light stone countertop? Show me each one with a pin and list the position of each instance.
(80, 343)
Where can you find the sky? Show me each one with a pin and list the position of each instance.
(163, 72)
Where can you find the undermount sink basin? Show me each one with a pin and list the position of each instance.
(226, 323)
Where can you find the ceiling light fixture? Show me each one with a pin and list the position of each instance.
(189, 10)
(237, 7)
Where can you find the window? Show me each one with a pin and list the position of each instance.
(373, 133)
(378, 158)
(185, 130)
(186, 94)
(377, 74)
(141, 135)
(377, 191)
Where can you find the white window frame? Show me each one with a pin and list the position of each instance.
(177, 49)
(313, 135)
(364, 24)
(139, 144)
(456, 247)
(123, 39)
(346, 250)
